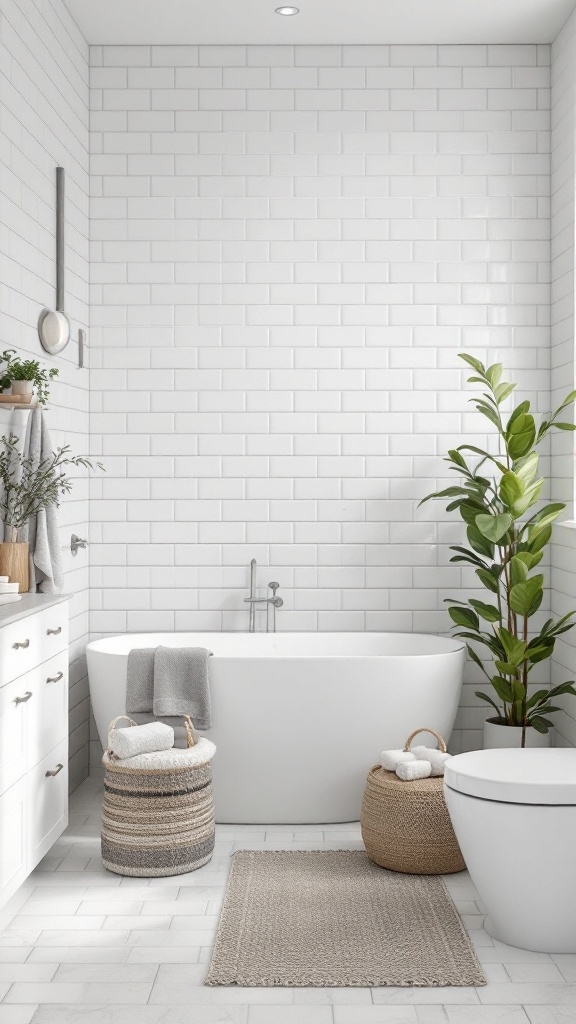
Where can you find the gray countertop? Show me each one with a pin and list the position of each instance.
(29, 604)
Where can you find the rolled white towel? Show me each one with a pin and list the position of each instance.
(140, 739)
(437, 758)
(409, 771)
(390, 759)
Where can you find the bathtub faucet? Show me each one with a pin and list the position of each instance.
(272, 603)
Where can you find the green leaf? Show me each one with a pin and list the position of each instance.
(511, 488)
(503, 689)
(464, 617)
(538, 539)
(493, 374)
(518, 570)
(521, 435)
(564, 426)
(484, 696)
(541, 725)
(502, 391)
(494, 527)
(514, 647)
(526, 598)
(509, 668)
(487, 411)
(488, 580)
(479, 543)
(474, 363)
(455, 457)
(475, 658)
(486, 611)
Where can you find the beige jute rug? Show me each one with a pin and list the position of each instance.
(333, 918)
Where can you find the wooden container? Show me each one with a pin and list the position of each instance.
(14, 564)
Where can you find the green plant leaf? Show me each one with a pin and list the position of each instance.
(464, 617)
(494, 527)
(518, 569)
(564, 426)
(503, 689)
(473, 362)
(526, 598)
(509, 668)
(502, 391)
(486, 611)
(484, 696)
(479, 543)
(488, 580)
(540, 724)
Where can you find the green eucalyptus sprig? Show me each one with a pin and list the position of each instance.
(493, 497)
(27, 486)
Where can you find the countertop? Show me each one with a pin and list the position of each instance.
(29, 604)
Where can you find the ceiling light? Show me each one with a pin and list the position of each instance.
(287, 11)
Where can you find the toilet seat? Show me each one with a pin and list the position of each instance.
(530, 776)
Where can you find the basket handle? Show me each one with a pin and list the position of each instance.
(441, 744)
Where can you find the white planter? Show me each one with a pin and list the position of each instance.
(498, 736)
(22, 387)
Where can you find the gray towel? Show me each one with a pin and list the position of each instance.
(140, 685)
(181, 684)
(46, 570)
(168, 682)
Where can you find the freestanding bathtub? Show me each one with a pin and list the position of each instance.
(299, 718)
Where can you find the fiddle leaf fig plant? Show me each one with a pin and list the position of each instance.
(507, 535)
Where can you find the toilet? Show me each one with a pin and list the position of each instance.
(514, 815)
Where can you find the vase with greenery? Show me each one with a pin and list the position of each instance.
(507, 529)
(24, 376)
(28, 485)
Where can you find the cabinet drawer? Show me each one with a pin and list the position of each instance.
(33, 639)
(47, 802)
(48, 722)
(14, 722)
(13, 852)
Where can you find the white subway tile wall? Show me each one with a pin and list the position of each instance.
(562, 339)
(290, 246)
(44, 97)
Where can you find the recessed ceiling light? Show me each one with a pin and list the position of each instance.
(287, 11)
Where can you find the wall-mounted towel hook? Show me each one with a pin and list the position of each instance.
(77, 542)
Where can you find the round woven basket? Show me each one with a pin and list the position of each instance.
(158, 816)
(406, 826)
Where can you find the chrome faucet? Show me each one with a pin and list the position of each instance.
(271, 602)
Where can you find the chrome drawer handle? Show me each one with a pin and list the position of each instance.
(26, 697)
(54, 771)
(53, 632)
(55, 679)
(25, 643)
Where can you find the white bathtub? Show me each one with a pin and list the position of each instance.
(299, 718)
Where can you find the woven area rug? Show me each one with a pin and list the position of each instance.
(334, 918)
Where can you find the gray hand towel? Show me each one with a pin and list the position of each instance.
(46, 569)
(181, 684)
(140, 682)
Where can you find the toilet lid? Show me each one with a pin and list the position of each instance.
(539, 776)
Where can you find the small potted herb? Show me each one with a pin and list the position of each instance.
(24, 376)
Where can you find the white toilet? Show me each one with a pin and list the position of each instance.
(514, 815)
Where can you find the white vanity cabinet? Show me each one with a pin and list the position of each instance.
(33, 734)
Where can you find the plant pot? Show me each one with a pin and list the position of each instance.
(14, 564)
(23, 387)
(497, 736)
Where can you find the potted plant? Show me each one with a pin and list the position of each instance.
(26, 487)
(23, 375)
(496, 497)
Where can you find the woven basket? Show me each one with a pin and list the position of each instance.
(158, 813)
(406, 826)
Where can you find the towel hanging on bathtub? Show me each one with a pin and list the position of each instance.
(168, 682)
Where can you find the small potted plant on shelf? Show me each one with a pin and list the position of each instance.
(507, 536)
(24, 376)
(26, 487)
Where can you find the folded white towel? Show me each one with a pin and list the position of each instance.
(409, 771)
(140, 739)
(437, 758)
(390, 759)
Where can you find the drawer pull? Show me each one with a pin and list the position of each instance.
(25, 643)
(54, 632)
(26, 697)
(55, 679)
(54, 771)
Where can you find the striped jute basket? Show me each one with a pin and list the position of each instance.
(158, 812)
(406, 825)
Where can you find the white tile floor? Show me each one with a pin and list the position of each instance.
(80, 945)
